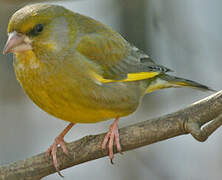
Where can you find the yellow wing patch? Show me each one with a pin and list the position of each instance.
(130, 77)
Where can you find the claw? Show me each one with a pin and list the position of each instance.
(52, 150)
(111, 137)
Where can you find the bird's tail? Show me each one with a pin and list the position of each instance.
(168, 81)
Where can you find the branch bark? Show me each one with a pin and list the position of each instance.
(200, 120)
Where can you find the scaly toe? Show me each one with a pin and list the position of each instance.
(52, 150)
(64, 148)
(105, 141)
(111, 137)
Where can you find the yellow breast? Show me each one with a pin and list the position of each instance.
(67, 93)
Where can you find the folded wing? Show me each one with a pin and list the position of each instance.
(118, 60)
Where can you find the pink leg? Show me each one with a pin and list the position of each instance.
(59, 140)
(111, 136)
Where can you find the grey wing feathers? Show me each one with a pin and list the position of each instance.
(137, 61)
(146, 62)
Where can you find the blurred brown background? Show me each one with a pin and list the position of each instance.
(182, 35)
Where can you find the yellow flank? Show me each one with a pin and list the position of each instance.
(130, 77)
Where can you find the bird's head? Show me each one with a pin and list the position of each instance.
(40, 28)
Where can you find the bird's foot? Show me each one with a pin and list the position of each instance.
(52, 150)
(111, 136)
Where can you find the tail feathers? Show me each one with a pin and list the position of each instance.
(167, 81)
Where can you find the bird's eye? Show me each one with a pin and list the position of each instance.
(39, 28)
(36, 30)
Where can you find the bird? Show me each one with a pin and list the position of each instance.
(81, 71)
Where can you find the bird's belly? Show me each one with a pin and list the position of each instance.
(78, 108)
(80, 103)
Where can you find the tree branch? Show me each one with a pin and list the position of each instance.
(206, 112)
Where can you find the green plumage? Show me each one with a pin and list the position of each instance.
(80, 70)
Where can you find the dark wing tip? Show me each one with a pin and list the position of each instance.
(160, 68)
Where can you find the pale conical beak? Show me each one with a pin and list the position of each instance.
(17, 42)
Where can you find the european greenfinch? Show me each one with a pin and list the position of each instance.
(81, 71)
